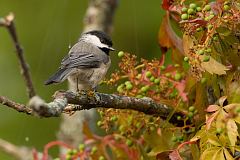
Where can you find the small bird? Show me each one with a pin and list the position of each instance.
(86, 63)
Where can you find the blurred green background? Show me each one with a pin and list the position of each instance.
(46, 29)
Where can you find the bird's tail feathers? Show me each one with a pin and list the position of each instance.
(59, 76)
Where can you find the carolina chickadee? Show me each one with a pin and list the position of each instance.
(87, 61)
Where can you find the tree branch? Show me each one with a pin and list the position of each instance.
(67, 102)
(8, 22)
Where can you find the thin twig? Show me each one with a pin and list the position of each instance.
(8, 22)
(19, 107)
(19, 152)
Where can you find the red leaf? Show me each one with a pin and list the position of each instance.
(166, 4)
(175, 155)
(210, 120)
(167, 38)
(212, 108)
(163, 155)
(181, 87)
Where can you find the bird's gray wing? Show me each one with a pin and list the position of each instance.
(81, 60)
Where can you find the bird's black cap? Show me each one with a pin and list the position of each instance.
(104, 38)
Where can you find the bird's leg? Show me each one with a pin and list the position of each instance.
(95, 89)
(77, 85)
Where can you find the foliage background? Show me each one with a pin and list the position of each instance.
(46, 29)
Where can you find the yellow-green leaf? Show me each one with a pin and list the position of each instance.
(228, 155)
(218, 155)
(214, 67)
(208, 153)
(214, 140)
(232, 131)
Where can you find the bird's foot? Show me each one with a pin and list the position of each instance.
(70, 109)
(90, 93)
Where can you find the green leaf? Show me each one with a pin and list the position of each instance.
(224, 31)
(201, 133)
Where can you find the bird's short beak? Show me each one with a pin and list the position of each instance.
(112, 49)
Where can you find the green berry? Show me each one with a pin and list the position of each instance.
(211, 12)
(139, 96)
(210, 16)
(207, 7)
(226, 7)
(209, 50)
(70, 152)
(207, 18)
(162, 68)
(219, 130)
(101, 158)
(129, 142)
(177, 76)
(179, 118)
(121, 128)
(191, 108)
(184, 9)
(152, 79)
(152, 128)
(129, 86)
(127, 83)
(114, 118)
(192, 6)
(210, 26)
(196, 111)
(215, 38)
(176, 65)
(120, 54)
(201, 52)
(94, 150)
(81, 147)
(99, 123)
(199, 29)
(186, 59)
(144, 88)
(174, 139)
(184, 16)
(101, 113)
(157, 81)
(139, 76)
(120, 89)
(203, 80)
(138, 125)
(180, 138)
(167, 74)
(190, 115)
(68, 157)
(74, 151)
(190, 11)
(199, 9)
(206, 58)
(148, 74)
